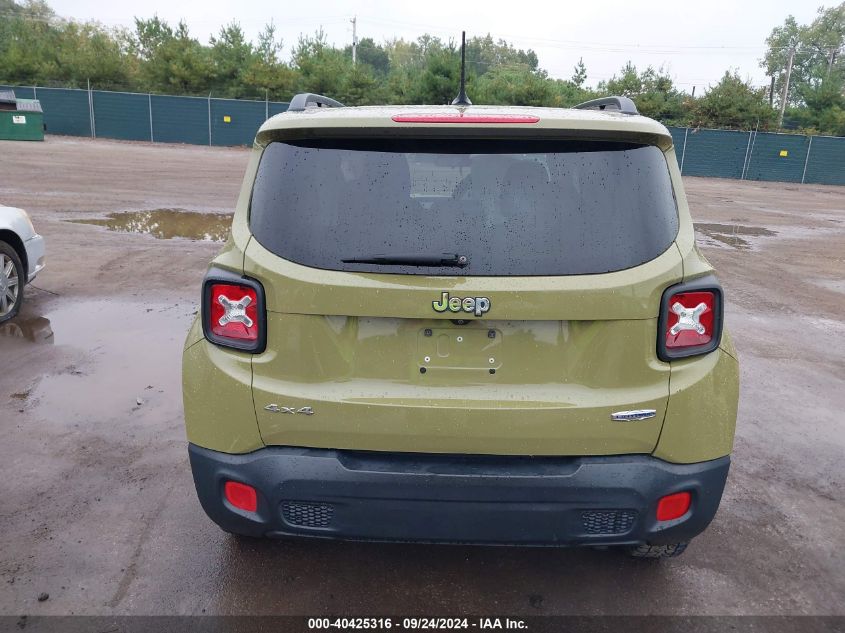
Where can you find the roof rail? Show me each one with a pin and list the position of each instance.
(301, 101)
(622, 104)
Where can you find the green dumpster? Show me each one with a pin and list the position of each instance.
(20, 119)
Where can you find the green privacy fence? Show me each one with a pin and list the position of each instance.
(828, 157)
(210, 121)
(143, 117)
(760, 156)
(179, 120)
(72, 107)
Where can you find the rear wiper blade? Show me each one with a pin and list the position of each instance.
(434, 261)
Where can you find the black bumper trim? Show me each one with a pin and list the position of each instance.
(544, 501)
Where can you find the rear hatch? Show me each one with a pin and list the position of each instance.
(462, 295)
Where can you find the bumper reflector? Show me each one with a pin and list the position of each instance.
(241, 496)
(673, 506)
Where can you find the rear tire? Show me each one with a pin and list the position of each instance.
(12, 281)
(658, 551)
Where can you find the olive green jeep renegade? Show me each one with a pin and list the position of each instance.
(462, 324)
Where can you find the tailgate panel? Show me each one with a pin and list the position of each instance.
(555, 385)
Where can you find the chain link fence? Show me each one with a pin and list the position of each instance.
(131, 116)
(760, 156)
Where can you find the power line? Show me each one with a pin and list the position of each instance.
(560, 43)
(600, 47)
(551, 43)
(57, 19)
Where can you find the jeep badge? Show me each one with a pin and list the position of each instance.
(473, 305)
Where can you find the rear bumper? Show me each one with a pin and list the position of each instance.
(458, 498)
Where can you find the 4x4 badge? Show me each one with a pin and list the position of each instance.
(473, 305)
(633, 416)
(277, 409)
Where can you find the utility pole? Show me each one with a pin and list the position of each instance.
(354, 21)
(786, 86)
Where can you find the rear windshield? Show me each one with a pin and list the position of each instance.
(509, 207)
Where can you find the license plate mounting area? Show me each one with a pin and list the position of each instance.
(460, 348)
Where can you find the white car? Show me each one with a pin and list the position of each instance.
(21, 258)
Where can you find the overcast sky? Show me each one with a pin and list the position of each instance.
(695, 41)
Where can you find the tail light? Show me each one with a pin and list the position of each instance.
(459, 117)
(690, 320)
(233, 313)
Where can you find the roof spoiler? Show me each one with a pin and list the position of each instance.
(300, 102)
(621, 104)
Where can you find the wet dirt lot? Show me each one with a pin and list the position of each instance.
(98, 508)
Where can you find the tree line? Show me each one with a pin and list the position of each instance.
(39, 48)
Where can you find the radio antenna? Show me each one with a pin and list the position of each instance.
(462, 99)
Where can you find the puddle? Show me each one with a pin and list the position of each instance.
(167, 224)
(132, 359)
(837, 285)
(33, 329)
(733, 234)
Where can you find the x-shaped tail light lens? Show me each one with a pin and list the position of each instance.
(234, 312)
(690, 319)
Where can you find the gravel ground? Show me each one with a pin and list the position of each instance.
(98, 509)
